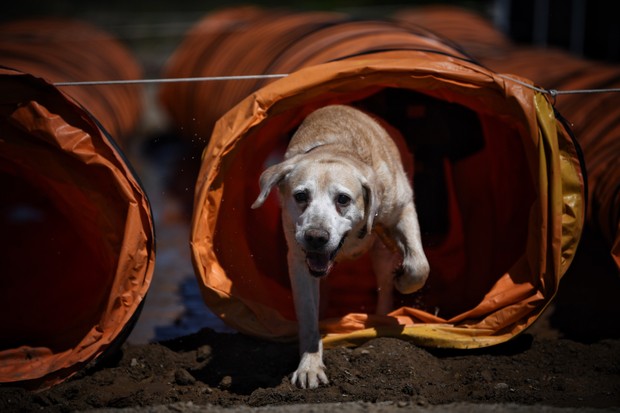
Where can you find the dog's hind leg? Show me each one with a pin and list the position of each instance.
(384, 262)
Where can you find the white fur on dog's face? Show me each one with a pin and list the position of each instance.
(326, 203)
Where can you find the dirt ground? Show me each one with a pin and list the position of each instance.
(569, 358)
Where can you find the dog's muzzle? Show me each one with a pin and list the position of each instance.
(319, 261)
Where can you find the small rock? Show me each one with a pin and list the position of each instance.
(183, 378)
(134, 362)
(225, 383)
(422, 402)
(360, 352)
(501, 386)
(203, 353)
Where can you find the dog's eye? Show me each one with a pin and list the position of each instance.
(300, 197)
(343, 200)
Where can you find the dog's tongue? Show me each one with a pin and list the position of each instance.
(319, 264)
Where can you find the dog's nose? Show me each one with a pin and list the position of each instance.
(316, 238)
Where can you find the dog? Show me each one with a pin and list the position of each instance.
(340, 184)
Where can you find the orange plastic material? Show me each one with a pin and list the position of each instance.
(66, 50)
(467, 29)
(224, 44)
(76, 242)
(514, 203)
(594, 118)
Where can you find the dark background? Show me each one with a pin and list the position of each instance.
(586, 28)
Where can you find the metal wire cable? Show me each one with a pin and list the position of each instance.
(551, 92)
(555, 92)
(168, 80)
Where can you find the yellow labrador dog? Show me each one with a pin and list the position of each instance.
(342, 177)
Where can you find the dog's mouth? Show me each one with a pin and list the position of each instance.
(321, 263)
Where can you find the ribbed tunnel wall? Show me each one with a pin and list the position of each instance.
(77, 241)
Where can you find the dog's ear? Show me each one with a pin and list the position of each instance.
(270, 177)
(370, 204)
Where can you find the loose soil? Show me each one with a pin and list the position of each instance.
(569, 358)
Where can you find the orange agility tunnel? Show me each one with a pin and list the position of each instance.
(499, 191)
(498, 178)
(76, 230)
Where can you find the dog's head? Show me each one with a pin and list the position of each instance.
(326, 199)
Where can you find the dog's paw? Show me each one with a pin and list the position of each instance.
(409, 278)
(311, 372)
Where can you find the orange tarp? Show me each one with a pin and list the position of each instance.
(77, 240)
(76, 236)
(514, 204)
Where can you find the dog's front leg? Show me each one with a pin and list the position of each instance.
(415, 268)
(311, 371)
